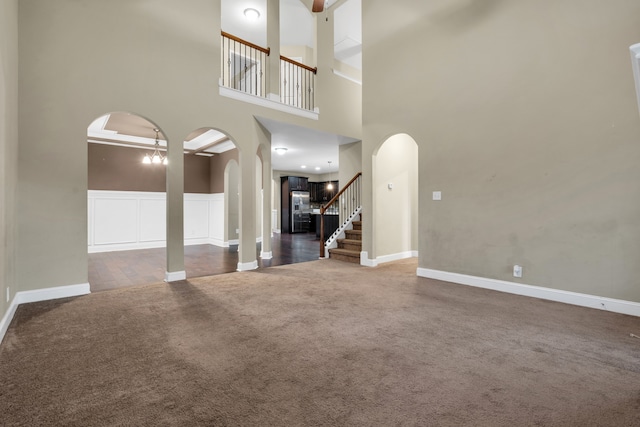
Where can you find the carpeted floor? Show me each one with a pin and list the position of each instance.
(322, 343)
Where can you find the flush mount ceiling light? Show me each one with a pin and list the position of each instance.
(280, 150)
(156, 157)
(251, 14)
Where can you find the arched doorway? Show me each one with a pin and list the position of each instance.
(126, 201)
(395, 199)
(211, 203)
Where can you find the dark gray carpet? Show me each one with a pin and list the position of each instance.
(318, 344)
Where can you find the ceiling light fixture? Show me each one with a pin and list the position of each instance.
(330, 184)
(280, 150)
(156, 157)
(251, 14)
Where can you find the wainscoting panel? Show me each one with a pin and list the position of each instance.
(196, 218)
(123, 220)
(216, 219)
(115, 221)
(152, 220)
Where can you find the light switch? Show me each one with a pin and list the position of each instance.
(390, 186)
(437, 195)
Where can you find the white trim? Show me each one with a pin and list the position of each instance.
(115, 247)
(584, 300)
(364, 260)
(175, 276)
(268, 103)
(25, 297)
(7, 318)
(344, 76)
(246, 266)
(266, 255)
(232, 242)
(46, 294)
(396, 257)
(367, 262)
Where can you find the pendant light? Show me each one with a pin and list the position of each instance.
(156, 157)
(330, 184)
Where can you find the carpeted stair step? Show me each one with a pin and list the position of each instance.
(352, 245)
(353, 234)
(345, 255)
(357, 225)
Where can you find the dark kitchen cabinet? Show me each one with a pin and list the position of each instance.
(297, 183)
(318, 192)
(289, 184)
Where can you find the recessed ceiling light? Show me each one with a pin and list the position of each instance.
(317, 168)
(280, 150)
(251, 14)
(303, 166)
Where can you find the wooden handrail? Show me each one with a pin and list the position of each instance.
(266, 50)
(314, 70)
(323, 209)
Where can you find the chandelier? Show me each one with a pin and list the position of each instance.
(156, 157)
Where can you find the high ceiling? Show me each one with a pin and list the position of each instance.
(306, 148)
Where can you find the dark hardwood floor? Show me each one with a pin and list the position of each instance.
(110, 270)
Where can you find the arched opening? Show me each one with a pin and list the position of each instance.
(395, 199)
(126, 201)
(211, 203)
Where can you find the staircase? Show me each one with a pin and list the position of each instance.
(350, 247)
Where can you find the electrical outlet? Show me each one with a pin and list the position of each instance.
(517, 271)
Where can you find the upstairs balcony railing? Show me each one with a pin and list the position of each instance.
(245, 65)
(297, 84)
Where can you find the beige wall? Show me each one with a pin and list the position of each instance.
(525, 117)
(350, 161)
(396, 209)
(162, 63)
(8, 147)
(218, 164)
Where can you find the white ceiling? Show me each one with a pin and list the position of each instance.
(305, 147)
(297, 26)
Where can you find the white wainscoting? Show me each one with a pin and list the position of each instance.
(123, 220)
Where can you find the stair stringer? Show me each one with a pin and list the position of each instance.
(332, 241)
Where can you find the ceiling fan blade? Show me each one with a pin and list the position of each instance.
(318, 6)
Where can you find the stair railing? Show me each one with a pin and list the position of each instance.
(345, 202)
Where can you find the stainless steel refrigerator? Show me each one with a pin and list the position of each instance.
(300, 211)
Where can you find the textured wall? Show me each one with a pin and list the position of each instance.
(8, 147)
(525, 118)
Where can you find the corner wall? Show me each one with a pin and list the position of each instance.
(8, 151)
(526, 119)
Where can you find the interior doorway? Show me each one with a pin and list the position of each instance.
(126, 200)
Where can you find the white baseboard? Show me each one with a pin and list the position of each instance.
(584, 300)
(174, 276)
(45, 294)
(116, 247)
(368, 262)
(247, 266)
(266, 255)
